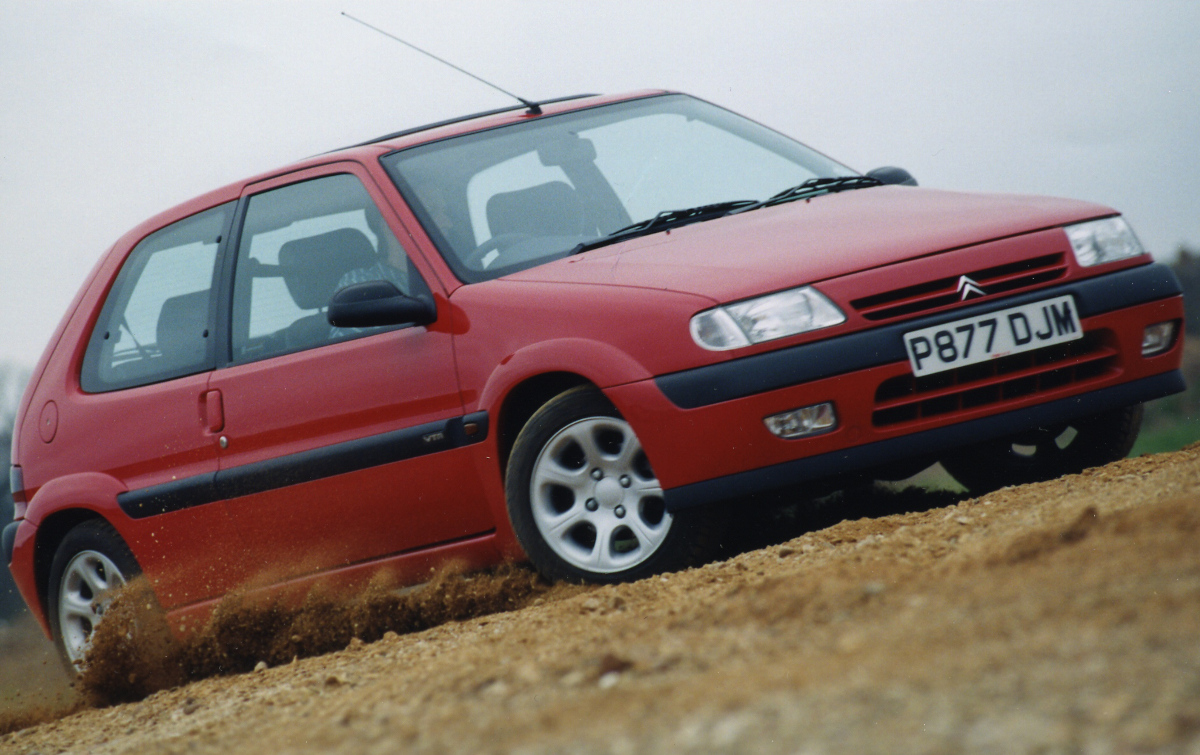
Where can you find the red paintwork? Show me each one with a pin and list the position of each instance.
(310, 400)
(22, 568)
(616, 317)
(745, 255)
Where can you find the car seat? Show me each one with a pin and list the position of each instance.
(312, 268)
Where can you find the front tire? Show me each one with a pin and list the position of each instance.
(1046, 453)
(584, 501)
(91, 562)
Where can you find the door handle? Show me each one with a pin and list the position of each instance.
(214, 412)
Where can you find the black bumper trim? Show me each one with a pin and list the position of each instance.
(772, 370)
(922, 443)
(305, 466)
(8, 539)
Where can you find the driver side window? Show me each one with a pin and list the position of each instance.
(300, 244)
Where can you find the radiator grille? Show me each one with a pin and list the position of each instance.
(943, 292)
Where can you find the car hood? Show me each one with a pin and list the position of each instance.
(804, 242)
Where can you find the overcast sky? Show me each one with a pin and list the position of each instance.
(113, 111)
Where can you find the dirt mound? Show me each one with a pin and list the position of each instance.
(1057, 617)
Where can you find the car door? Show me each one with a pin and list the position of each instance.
(340, 445)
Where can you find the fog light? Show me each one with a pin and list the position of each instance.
(1158, 338)
(798, 423)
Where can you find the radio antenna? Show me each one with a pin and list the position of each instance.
(534, 108)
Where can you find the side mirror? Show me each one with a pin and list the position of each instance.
(893, 175)
(374, 303)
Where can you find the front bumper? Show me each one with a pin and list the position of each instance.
(923, 443)
(703, 429)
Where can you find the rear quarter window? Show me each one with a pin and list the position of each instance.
(156, 323)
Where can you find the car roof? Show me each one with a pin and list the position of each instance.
(373, 148)
(494, 118)
(473, 116)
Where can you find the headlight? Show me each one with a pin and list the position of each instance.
(766, 318)
(1100, 241)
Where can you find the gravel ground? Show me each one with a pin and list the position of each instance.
(1062, 617)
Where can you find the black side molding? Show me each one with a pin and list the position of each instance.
(919, 444)
(306, 466)
(170, 496)
(772, 370)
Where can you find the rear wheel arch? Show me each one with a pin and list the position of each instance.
(90, 563)
(59, 505)
(50, 534)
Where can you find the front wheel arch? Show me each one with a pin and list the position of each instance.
(604, 520)
(523, 401)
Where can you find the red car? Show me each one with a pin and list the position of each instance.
(556, 334)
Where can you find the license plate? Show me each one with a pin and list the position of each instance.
(992, 336)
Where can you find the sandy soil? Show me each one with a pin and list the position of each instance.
(1062, 617)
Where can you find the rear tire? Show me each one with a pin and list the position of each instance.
(1046, 453)
(91, 562)
(584, 501)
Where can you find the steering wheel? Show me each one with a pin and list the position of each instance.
(498, 243)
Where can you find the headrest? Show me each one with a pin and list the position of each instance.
(312, 267)
(182, 323)
(549, 209)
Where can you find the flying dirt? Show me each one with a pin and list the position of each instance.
(1057, 617)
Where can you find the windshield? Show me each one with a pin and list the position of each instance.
(521, 195)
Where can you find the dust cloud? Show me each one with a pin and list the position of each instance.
(135, 654)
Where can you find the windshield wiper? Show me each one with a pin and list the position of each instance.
(815, 187)
(675, 218)
(665, 220)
